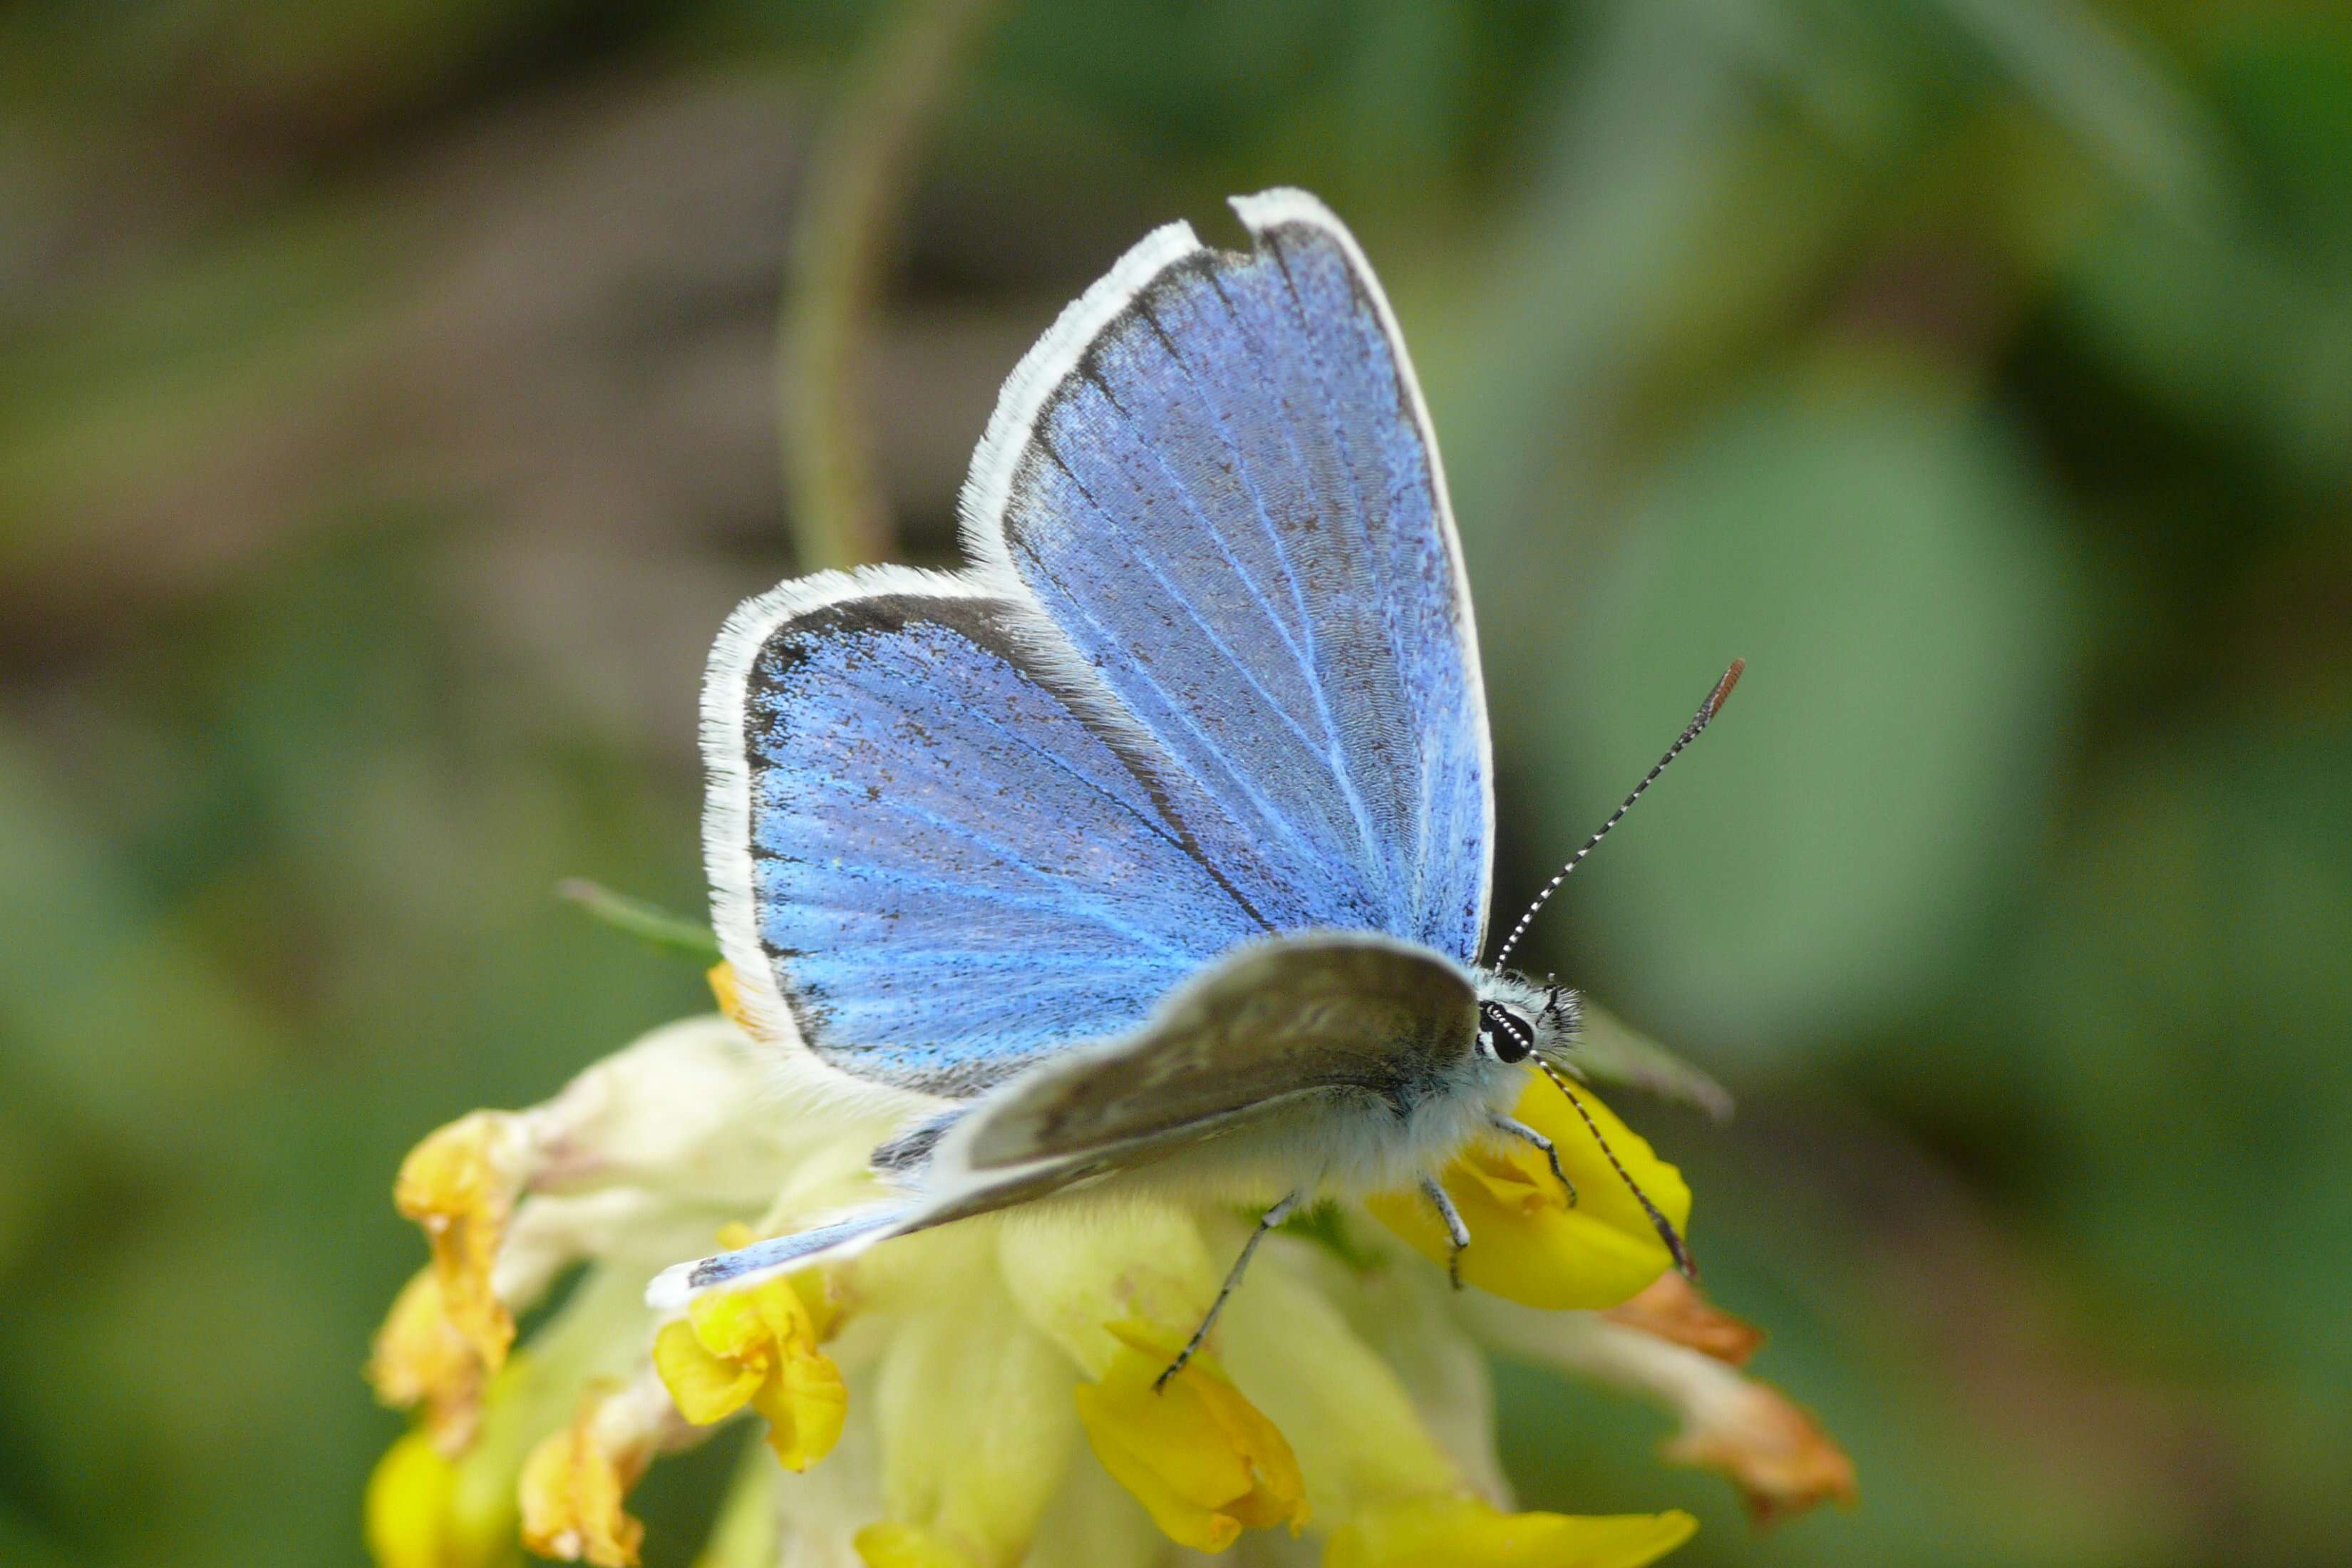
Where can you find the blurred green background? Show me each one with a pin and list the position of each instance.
(389, 414)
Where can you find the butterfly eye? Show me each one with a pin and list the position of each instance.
(1506, 1036)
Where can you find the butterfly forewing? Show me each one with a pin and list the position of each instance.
(953, 873)
(1231, 508)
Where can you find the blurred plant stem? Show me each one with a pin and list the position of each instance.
(854, 195)
(650, 922)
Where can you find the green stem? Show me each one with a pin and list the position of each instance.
(648, 922)
(851, 206)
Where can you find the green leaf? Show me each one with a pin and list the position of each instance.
(1611, 1051)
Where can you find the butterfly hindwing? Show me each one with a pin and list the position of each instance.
(940, 868)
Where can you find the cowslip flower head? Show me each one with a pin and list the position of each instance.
(983, 1395)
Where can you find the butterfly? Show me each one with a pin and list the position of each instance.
(1155, 846)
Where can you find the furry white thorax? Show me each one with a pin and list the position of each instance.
(1344, 1144)
(1368, 1148)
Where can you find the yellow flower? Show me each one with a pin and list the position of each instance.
(1463, 1532)
(463, 1513)
(971, 1408)
(757, 1346)
(571, 1490)
(420, 1358)
(460, 1185)
(1195, 1453)
(420, 1514)
(1528, 1242)
(1341, 1380)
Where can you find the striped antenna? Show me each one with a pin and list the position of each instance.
(1706, 712)
(1675, 1249)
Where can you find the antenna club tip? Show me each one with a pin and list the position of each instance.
(1722, 692)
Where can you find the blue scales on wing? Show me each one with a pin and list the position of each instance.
(953, 873)
(1230, 507)
(1212, 677)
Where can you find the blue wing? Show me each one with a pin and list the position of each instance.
(1216, 478)
(942, 869)
(1212, 675)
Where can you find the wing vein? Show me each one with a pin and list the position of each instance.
(1144, 558)
(1334, 748)
(1370, 557)
(1011, 858)
(1266, 810)
(1371, 860)
(1163, 831)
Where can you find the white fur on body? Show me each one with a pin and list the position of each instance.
(1335, 1143)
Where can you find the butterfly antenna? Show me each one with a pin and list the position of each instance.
(1665, 1227)
(1706, 712)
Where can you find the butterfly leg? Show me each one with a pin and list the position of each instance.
(1455, 1231)
(1527, 1134)
(1265, 1222)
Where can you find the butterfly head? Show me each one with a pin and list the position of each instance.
(1520, 1019)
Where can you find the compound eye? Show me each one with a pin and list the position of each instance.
(1508, 1037)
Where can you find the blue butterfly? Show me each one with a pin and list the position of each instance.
(1155, 845)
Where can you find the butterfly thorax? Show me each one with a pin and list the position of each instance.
(1388, 1132)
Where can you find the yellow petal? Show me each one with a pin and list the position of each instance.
(805, 1405)
(894, 1545)
(415, 1516)
(705, 1387)
(757, 1320)
(1463, 1533)
(460, 1185)
(1527, 1242)
(420, 1358)
(571, 1490)
(1199, 1456)
(757, 1345)
(742, 1325)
